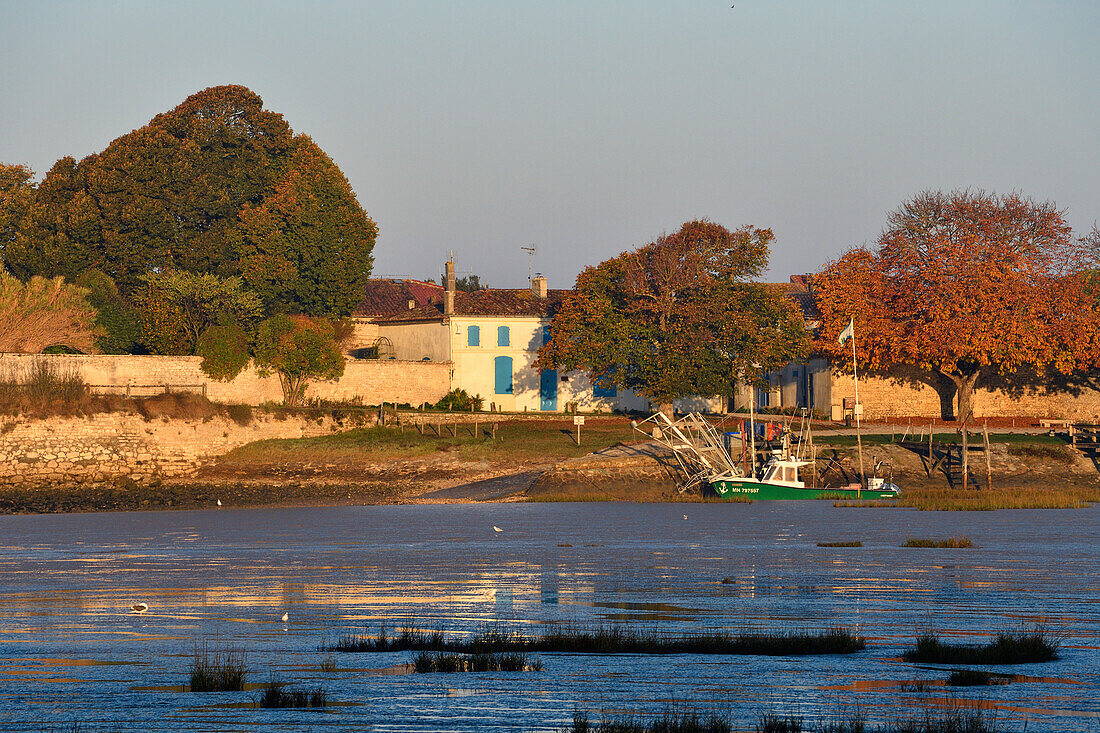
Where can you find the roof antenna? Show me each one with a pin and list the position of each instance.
(530, 253)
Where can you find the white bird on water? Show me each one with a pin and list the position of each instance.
(497, 529)
(139, 607)
(219, 502)
(285, 617)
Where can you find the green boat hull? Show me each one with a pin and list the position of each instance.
(772, 492)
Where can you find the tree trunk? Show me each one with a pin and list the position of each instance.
(964, 384)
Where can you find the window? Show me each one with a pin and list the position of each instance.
(473, 336)
(546, 334)
(502, 372)
(600, 391)
(763, 397)
(503, 336)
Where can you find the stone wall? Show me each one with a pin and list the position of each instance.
(372, 381)
(111, 446)
(883, 398)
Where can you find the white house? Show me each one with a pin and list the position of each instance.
(492, 338)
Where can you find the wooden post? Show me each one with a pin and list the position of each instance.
(813, 454)
(475, 426)
(929, 441)
(454, 428)
(988, 460)
(439, 427)
(494, 431)
(965, 458)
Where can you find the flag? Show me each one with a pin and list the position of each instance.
(848, 332)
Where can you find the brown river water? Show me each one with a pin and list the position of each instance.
(70, 652)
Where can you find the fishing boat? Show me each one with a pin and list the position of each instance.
(707, 463)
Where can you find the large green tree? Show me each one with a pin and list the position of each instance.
(173, 195)
(178, 307)
(677, 317)
(306, 248)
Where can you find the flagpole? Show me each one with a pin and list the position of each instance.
(855, 379)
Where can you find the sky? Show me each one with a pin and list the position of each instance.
(585, 128)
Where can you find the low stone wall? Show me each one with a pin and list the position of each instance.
(884, 398)
(107, 447)
(374, 382)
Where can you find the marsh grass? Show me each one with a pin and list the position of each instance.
(671, 722)
(328, 663)
(956, 543)
(428, 662)
(41, 389)
(954, 720)
(857, 543)
(275, 695)
(1023, 647)
(608, 640)
(220, 670)
(976, 678)
(1058, 495)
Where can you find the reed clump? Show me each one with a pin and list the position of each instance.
(857, 543)
(1023, 647)
(610, 640)
(429, 662)
(221, 670)
(976, 678)
(667, 723)
(958, 542)
(954, 720)
(275, 695)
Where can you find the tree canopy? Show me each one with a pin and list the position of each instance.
(193, 190)
(964, 289)
(676, 317)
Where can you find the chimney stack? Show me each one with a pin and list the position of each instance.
(449, 287)
(538, 285)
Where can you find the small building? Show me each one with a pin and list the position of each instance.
(492, 338)
(385, 297)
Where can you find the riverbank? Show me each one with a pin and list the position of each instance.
(537, 459)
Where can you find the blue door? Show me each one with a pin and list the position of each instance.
(548, 390)
(502, 373)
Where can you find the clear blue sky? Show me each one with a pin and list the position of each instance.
(588, 127)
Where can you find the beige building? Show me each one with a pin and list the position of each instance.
(491, 338)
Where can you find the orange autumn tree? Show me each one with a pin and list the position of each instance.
(964, 289)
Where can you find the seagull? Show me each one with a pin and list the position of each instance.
(497, 529)
(685, 516)
(139, 607)
(286, 616)
(219, 502)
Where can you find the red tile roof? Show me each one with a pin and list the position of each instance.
(389, 297)
(488, 302)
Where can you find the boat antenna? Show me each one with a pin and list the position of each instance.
(752, 426)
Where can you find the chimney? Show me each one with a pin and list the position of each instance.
(538, 285)
(449, 287)
(411, 303)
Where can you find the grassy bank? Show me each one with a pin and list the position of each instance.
(608, 640)
(528, 440)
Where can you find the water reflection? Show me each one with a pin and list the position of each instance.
(70, 650)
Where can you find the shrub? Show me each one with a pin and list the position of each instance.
(459, 400)
(224, 351)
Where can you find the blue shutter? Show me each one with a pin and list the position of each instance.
(503, 336)
(502, 369)
(473, 336)
(546, 334)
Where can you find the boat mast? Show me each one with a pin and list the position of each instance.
(857, 409)
(752, 426)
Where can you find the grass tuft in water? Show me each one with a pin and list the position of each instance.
(857, 543)
(221, 670)
(954, 720)
(428, 662)
(668, 723)
(1022, 647)
(976, 678)
(611, 640)
(328, 663)
(957, 542)
(275, 695)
